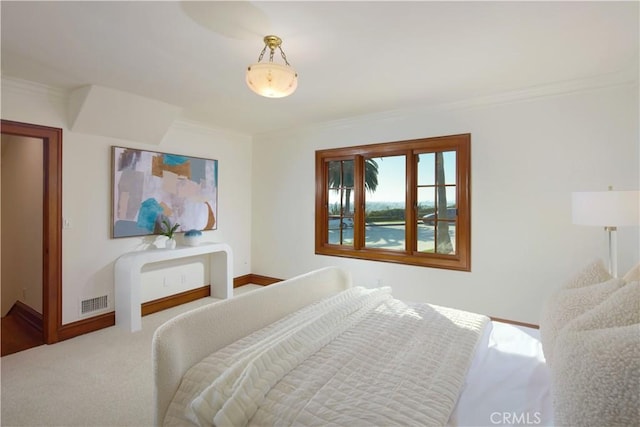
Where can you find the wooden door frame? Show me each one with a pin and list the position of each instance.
(52, 222)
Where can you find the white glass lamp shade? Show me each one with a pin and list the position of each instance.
(606, 208)
(272, 80)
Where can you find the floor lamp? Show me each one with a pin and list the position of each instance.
(608, 209)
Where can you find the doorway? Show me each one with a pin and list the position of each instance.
(51, 221)
(21, 230)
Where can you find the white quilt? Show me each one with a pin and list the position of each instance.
(358, 358)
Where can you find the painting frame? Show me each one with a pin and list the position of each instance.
(149, 187)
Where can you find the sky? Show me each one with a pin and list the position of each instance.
(391, 177)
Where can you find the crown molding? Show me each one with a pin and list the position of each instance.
(33, 88)
(627, 77)
(622, 78)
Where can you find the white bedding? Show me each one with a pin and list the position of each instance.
(508, 383)
(375, 372)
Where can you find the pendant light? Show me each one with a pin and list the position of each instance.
(270, 79)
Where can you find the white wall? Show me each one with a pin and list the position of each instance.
(528, 156)
(88, 251)
(22, 198)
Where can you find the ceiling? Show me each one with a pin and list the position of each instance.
(353, 58)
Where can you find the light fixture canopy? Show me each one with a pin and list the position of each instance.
(268, 78)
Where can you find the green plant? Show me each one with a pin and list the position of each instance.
(167, 229)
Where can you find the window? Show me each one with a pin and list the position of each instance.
(406, 202)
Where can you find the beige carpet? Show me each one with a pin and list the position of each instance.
(98, 379)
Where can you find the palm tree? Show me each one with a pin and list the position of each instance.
(443, 239)
(341, 176)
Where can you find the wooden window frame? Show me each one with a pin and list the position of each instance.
(461, 144)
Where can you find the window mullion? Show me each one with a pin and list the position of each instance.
(411, 204)
(358, 220)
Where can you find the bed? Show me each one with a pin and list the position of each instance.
(316, 350)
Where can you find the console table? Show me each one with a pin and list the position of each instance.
(128, 270)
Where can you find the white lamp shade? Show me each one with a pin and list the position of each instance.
(272, 80)
(606, 208)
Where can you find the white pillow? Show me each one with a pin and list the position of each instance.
(596, 373)
(567, 304)
(632, 275)
(596, 379)
(621, 308)
(594, 272)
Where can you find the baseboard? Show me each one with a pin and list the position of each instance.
(241, 280)
(205, 291)
(106, 320)
(27, 314)
(109, 319)
(92, 324)
(513, 322)
(254, 279)
(174, 300)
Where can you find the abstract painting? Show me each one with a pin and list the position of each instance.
(149, 187)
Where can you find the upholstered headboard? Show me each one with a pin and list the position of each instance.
(185, 340)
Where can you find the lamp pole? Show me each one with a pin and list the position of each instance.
(613, 251)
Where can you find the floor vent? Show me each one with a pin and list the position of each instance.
(93, 304)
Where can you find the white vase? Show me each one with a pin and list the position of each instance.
(192, 240)
(170, 244)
